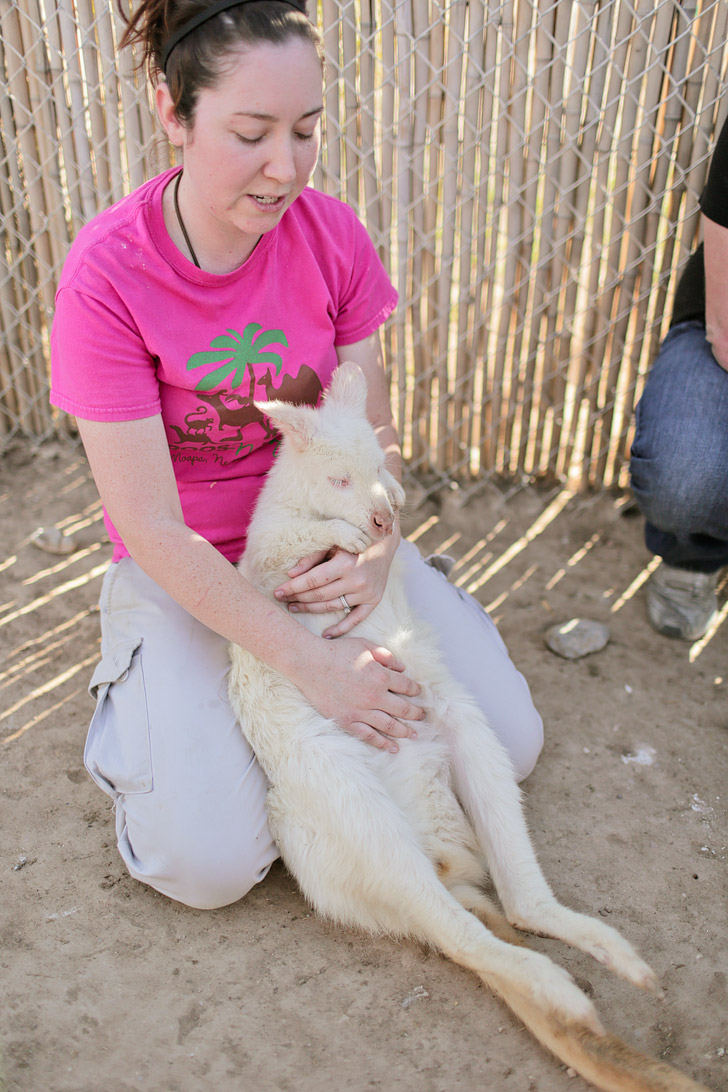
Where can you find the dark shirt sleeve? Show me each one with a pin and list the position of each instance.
(690, 293)
(714, 198)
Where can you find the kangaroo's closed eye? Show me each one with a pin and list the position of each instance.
(340, 483)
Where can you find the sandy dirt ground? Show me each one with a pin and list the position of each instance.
(106, 984)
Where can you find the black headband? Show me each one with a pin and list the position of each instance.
(209, 13)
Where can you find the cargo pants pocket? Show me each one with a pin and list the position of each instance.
(118, 749)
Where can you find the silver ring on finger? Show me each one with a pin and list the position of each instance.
(345, 605)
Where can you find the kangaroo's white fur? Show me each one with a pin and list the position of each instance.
(400, 843)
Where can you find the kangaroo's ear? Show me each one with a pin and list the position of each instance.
(348, 388)
(296, 423)
(394, 489)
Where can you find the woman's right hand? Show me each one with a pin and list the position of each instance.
(363, 687)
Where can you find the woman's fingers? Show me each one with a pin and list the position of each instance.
(307, 563)
(310, 579)
(392, 726)
(397, 707)
(346, 624)
(316, 593)
(388, 659)
(328, 601)
(382, 731)
(370, 735)
(365, 689)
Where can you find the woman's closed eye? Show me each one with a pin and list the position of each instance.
(303, 137)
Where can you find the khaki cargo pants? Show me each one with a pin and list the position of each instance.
(188, 793)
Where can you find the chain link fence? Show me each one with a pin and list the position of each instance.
(529, 171)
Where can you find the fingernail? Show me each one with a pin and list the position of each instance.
(279, 595)
(294, 609)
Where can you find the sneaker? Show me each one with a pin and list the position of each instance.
(681, 603)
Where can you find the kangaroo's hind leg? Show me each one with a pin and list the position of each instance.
(358, 860)
(487, 789)
(448, 840)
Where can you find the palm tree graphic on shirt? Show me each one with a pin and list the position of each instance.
(232, 354)
(229, 357)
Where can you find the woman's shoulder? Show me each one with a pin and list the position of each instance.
(327, 228)
(324, 204)
(111, 232)
(321, 212)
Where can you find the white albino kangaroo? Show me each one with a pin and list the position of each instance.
(399, 843)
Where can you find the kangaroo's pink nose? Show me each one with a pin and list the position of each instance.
(382, 523)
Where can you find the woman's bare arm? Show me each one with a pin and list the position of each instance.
(361, 687)
(715, 248)
(368, 355)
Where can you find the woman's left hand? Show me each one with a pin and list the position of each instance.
(318, 582)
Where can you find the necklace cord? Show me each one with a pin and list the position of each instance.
(181, 222)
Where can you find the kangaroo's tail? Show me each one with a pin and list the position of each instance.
(604, 1060)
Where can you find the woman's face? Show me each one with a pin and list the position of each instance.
(253, 144)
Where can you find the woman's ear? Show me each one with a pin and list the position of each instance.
(171, 124)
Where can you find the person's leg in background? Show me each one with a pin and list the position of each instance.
(679, 472)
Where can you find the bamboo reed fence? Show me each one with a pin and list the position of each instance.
(529, 171)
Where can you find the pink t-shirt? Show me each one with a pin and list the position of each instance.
(139, 330)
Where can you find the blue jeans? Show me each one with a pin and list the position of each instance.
(679, 464)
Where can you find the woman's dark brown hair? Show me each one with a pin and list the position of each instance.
(199, 59)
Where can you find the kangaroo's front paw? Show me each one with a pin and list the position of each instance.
(349, 537)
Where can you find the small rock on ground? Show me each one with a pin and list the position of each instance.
(576, 638)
